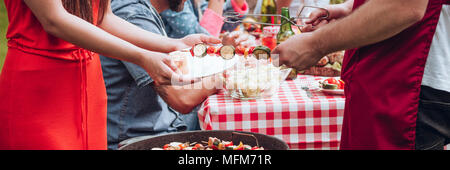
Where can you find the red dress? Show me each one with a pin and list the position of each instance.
(52, 92)
(383, 83)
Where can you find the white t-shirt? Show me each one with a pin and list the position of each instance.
(296, 6)
(437, 68)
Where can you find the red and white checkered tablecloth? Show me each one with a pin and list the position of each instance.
(302, 122)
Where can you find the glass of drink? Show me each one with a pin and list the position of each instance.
(269, 36)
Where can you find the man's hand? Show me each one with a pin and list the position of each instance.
(297, 52)
(185, 98)
(238, 38)
(191, 40)
(317, 20)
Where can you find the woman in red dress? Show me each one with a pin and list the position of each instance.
(51, 86)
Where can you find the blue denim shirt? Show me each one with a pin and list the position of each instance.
(134, 107)
(186, 22)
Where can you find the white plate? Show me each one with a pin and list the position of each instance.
(333, 92)
(197, 67)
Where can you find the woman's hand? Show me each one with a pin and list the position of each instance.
(163, 70)
(238, 38)
(191, 40)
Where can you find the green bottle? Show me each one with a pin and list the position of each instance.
(286, 27)
(284, 33)
(268, 7)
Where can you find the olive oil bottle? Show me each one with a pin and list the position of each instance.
(268, 7)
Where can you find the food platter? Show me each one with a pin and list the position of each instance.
(332, 86)
(246, 73)
(199, 67)
(250, 138)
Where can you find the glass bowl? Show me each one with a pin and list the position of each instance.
(253, 79)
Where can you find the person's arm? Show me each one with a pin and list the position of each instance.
(216, 6)
(58, 22)
(240, 3)
(184, 99)
(375, 21)
(143, 38)
(212, 19)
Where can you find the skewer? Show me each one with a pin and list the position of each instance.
(245, 134)
(234, 17)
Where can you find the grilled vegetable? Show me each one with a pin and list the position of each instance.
(212, 144)
(227, 52)
(324, 61)
(262, 52)
(240, 146)
(199, 50)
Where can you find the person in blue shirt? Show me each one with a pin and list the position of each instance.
(136, 106)
(202, 18)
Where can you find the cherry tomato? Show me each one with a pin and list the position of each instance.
(166, 146)
(218, 51)
(332, 81)
(192, 51)
(229, 144)
(341, 84)
(250, 50)
(211, 50)
(240, 50)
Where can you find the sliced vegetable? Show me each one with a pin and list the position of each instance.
(262, 52)
(324, 61)
(227, 52)
(330, 86)
(240, 146)
(199, 50)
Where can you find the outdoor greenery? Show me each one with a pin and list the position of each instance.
(3, 26)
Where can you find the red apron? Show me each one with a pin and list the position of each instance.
(52, 93)
(383, 84)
